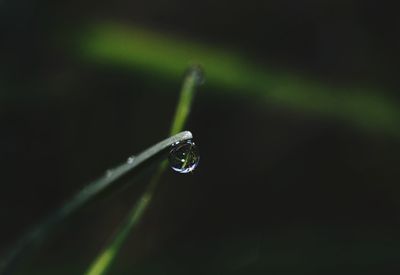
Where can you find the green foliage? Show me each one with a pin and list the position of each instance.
(232, 74)
(103, 262)
(101, 186)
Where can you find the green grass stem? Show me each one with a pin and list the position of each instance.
(111, 179)
(104, 260)
(233, 74)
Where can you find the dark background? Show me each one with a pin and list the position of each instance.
(279, 190)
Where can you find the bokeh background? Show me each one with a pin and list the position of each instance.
(298, 127)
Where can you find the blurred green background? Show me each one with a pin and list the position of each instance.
(298, 125)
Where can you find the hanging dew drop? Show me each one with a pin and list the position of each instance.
(184, 157)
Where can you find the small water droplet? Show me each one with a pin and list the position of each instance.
(184, 157)
(109, 173)
(198, 73)
(130, 159)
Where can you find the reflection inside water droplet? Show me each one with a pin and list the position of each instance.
(184, 157)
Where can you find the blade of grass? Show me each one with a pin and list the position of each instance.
(233, 74)
(90, 192)
(194, 77)
(102, 263)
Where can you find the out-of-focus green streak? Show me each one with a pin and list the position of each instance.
(103, 262)
(152, 52)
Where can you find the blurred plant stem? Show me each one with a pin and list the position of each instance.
(102, 263)
(155, 53)
(111, 179)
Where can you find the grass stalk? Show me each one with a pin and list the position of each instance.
(233, 74)
(111, 179)
(103, 262)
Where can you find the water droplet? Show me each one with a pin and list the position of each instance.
(109, 173)
(130, 159)
(197, 72)
(184, 157)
